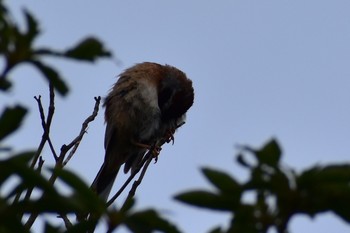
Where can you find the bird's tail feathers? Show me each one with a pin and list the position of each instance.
(104, 180)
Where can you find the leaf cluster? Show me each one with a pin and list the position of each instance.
(279, 193)
(17, 46)
(82, 200)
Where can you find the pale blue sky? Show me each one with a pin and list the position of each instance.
(260, 69)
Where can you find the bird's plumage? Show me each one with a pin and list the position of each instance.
(148, 101)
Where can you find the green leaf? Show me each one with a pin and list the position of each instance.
(83, 196)
(51, 229)
(245, 221)
(269, 154)
(216, 230)
(325, 188)
(128, 204)
(241, 160)
(11, 119)
(5, 84)
(18, 165)
(149, 221)
(51, 203)
(83, 226)
(87, 50)
(335, 173)
(9, 219)
(341, 208)
(9, 166)
(332, 174)
(280, 183)
(224, 182)
(52, 76)
(208, 200)
(32, 27)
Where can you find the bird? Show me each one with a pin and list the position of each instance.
(144, 108)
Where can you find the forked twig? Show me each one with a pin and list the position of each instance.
(76, 142)
(139, 180)
(64, 149)
(147, 157)
(46, 124)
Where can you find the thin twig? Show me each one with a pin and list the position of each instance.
(64, 150)
(45, 136)
(40, 165)
(76, 142)
(147, 157)
(139, 180)
(40, 147)
(29, 190)
(46, 124)
(51, 111)
(66, 221)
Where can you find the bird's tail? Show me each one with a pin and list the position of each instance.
(104, 180)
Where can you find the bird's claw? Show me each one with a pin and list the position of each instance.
(155, 153)
(154, 150)
(169, 136)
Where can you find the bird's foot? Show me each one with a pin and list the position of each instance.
(169, 136)
(155, 150)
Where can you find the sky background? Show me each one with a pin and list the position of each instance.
(260, 69)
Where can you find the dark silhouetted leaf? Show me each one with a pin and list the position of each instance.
(5, 84)
(52, 76)
(224, 182)
(244, 221)
(11, 119)
(149, 221)
(83, 195)
(9, 219)
(32, 27)
(208, 200)
(241, 160)
(280, 183)
(335, 174)
(216, 230)
(128, 204)
(270, 154)
(342, 209)
(18, 165)
(88, 50)
(83, 226)
(49, 204)
(51, 229)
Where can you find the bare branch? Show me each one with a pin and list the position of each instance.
(29, 190)
(147, 157)
(66, 221)
(64, 150)
(144, 164)
(46, 124)
(45, 136)
(139, 180)
(76, 142)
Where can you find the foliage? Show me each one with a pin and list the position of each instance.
(17, 47)
(279, 192)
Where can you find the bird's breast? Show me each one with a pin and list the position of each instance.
(145, 111)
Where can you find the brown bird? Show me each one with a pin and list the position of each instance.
(143, 108)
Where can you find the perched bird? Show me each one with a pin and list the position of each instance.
(143, 108)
